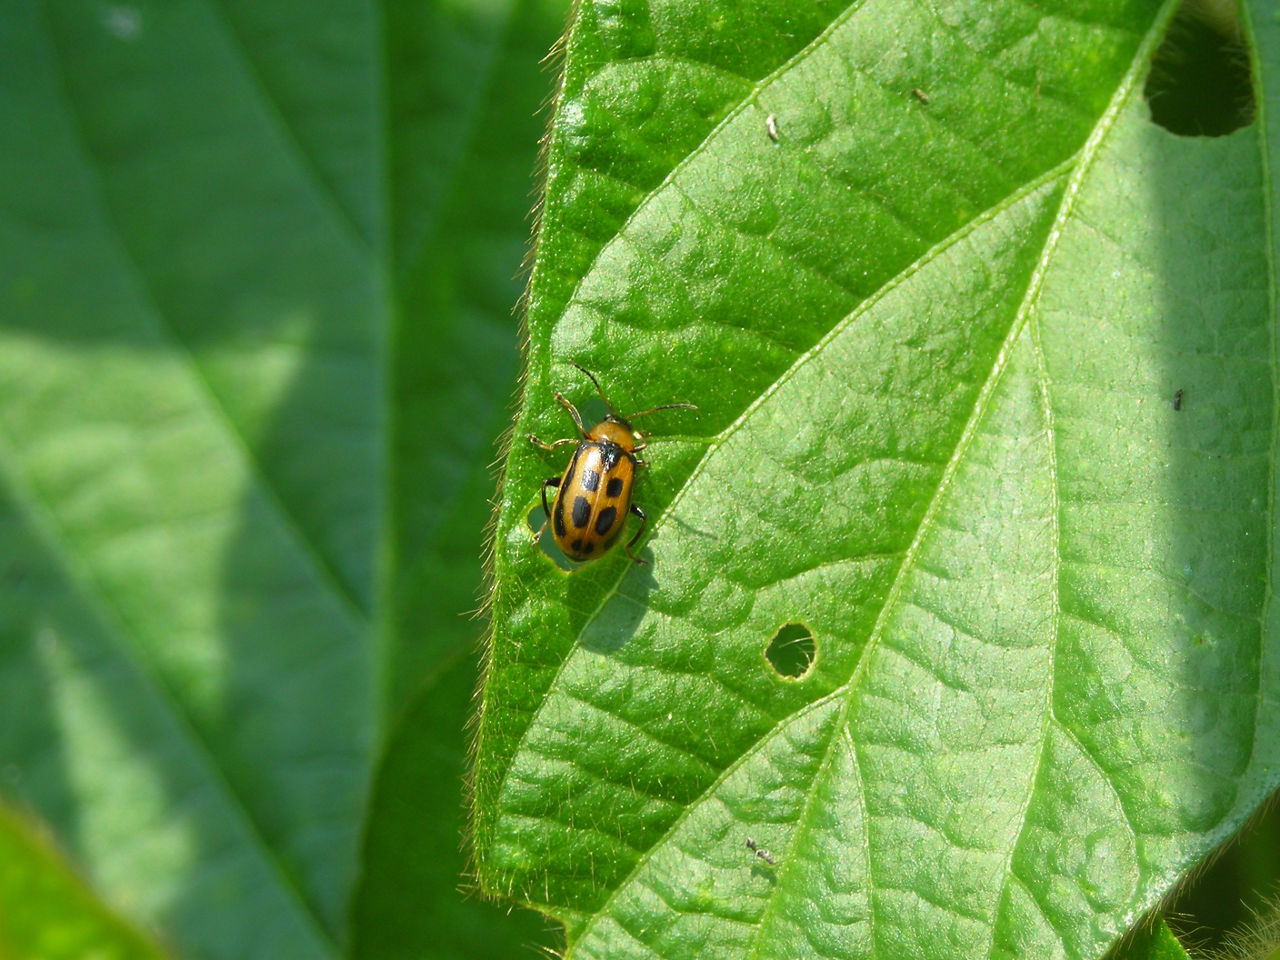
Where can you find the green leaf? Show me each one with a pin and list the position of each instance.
(465, 99)
(935, 331)
(257, 268)
(408, 903)
(1156, 943)
(46, 912)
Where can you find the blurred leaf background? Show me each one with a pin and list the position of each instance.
(258, 270)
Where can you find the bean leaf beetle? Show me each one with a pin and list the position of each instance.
(593, 495)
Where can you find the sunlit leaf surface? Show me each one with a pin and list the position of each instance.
(985, 368)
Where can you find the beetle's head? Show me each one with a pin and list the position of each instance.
(615, 430)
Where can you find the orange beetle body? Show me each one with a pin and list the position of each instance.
(593, 496)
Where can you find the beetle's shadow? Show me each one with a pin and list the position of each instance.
(693, 531)
(537, 520)
(619, 617)
(770, 874)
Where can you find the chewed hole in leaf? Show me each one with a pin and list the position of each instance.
(537, 520)
(1200, 84)
(792, 651)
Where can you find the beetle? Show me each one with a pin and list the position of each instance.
(593, 495)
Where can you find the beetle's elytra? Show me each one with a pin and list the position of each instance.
(593, 495)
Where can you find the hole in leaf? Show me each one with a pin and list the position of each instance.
(1200, 83)
(547, 543)
(792, 650)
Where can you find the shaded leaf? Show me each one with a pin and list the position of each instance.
(257, 263)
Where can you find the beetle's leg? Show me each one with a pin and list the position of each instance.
(551, 446)
(549, 482)
(643, 520)
(573, 412)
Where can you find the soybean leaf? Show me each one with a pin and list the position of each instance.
(46, 909)
(944, 296)
(1156, 943)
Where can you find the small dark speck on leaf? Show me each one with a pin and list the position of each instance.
(761, 852)
(920, 95)
(1177, 400)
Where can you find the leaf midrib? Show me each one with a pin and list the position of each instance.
(290, 136)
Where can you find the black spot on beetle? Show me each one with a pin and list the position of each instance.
(610, 454)
(588, 547)
(614, 487)
(605, 520)
(590, 480)
(576, 546)
(581, 512)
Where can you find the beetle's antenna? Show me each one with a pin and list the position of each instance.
(613, 410)
(665, 406)
(599, 390)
